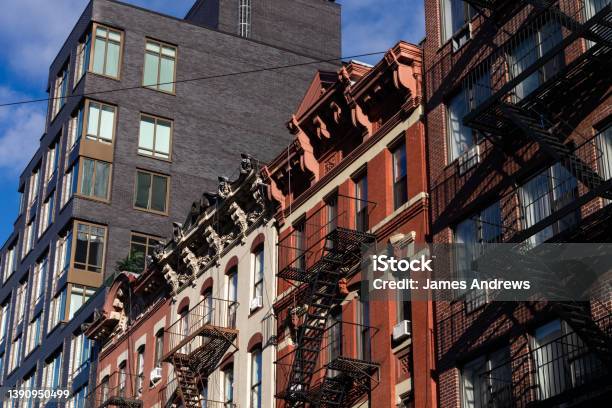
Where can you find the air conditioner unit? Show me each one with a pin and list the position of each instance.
(256, 302)
(401, 330)
(156, 374)
(468, 159)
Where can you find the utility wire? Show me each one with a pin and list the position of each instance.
(202, 78)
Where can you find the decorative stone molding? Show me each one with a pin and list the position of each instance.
(191, 260)
(171, 277)
(240, 219)
(225, 189)
(177, 232)
(214, 241)
(246, 164)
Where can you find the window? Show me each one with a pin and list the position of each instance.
(456, 14)
(79, 399)
(38, 280)
(462, 138)
(155, 137)
(361, 203)
(15, 354)
(95, 178)
(57, 310)
(228, 385)
(33, 193)
(528, 51)
(100, 122)
(89, 251)
(159, 348)
(140, 369)
(28, 239)
(10, 261)
(80, 352)
(363, 330)
(20, 299)
(4, 319)
(244, 18)
(487, 380)
(331, 207)
(70, 183)
(52, 372)
(60, 89)
(142, 246)
(159, 66)
(46, 214)
(75, 128)
(207, 300)
(122, 377)
(232, 297)
(334, 339)
(400, 183)
(52, 163)
(604, 144)
(258, 272)
(106, 51)
(256, 378)
(63, 250)
(151, 191)
(79, 295)
(82, 58)
(300, 244)
(545, 194)
(34, 334)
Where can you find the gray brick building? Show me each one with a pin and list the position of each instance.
(115, 167)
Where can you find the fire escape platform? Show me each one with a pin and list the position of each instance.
(217, 338)
(353, 367)
(116, 401)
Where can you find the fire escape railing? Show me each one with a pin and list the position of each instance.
(345, 371)
(317, 255)
(533, 58)
(547, 372)
(197, 341)
(168, 394)
(117, 390)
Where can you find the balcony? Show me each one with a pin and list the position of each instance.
(344, 371)
(539, 63)
(332, 234)
(564, 370)
(118, 390)
(201, 336)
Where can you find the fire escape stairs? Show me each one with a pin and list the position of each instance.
(341, 251)
(554, 148)
(187, 383)
(198, 363)
(346, 381)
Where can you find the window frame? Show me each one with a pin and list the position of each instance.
(60, 84)
(85, 123)
(255, 388)
(94, 26)
(81, 173)
(148, 246)
(393, 148)
(161, 44)
(167, 197)
(154, 154)
(75, 239)
(258, 281)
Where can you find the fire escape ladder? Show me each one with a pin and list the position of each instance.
(554, 147)
(340, 253)
(187, 382)
(579, 318)
(346, 381)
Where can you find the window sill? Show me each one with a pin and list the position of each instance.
(173, 93)
(117, 78)
(165, 214)
(95, 199)
(148, 156)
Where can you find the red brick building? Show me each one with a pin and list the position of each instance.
(354, 175)
(519, 151)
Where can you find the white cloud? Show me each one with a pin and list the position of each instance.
(20, 129)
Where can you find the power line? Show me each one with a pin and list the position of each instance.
(202, 78)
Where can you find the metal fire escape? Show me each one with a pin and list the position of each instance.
(198, 341)
(334, 250)
(508, 110)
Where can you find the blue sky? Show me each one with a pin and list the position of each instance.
(32, 31)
